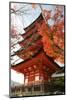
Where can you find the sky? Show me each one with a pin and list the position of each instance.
(22, 21)
(29, 15)
(17, 77)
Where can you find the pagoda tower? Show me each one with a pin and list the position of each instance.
(36, 66)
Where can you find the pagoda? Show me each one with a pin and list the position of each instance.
(36, 66)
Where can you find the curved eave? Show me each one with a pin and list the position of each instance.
(57, 75)
(27, 59)
(32, 24)
(32, 61)
(37, 44)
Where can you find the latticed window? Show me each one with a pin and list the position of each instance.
(37, 88)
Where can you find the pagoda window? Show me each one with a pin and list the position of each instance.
(37, 78)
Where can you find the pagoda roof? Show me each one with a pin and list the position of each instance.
(30, 43)
(34, 37)
(59, 73)
(40, 59)
(30, 35)
(30, 51)
(31, 26)
(38, 56)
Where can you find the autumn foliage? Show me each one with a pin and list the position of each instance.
(53, 35)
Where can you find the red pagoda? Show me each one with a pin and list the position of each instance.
(36, 66)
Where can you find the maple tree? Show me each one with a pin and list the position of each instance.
(53, 35)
